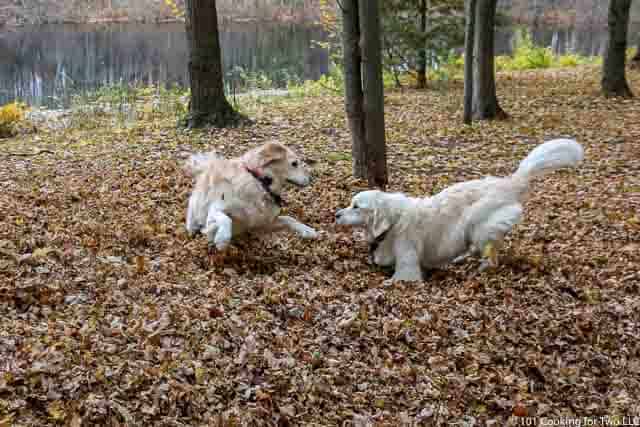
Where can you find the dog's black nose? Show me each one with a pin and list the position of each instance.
(338, 214)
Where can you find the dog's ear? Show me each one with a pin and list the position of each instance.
(272, 152)
(379, 222)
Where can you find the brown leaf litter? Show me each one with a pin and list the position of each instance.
(112, 315)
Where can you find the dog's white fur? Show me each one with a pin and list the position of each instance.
(468, 218)
(228, 201)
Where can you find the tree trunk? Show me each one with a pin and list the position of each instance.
(635, 61)
(485, 101)
(636, 58)
(373, 89)
(353, 86)
(468, 61)
(614, 81)
(422, 54)
(208, 104)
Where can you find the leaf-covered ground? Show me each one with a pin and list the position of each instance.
(110, 314)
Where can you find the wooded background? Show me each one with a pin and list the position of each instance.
(50, 11)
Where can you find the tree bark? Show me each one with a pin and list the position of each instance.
(373, 89)
(468, 61)
(635, 61)
(636, 58)
(614, 81)
(421, 70)
(485, 101)
(208, 104)
(354, 96)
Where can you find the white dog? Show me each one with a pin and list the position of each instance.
(234, 196)
(465, 219)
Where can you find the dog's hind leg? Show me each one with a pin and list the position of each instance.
(488, 235)
(490, 255)
(218, 228)
(299, 228)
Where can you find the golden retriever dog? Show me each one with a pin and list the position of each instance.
(469, 218)
(234, 196)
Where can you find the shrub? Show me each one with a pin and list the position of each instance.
(526, 56)
(10, 116)
(331, 83)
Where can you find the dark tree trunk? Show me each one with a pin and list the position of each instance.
(354, 96)
(208, 104)
(422, 54)
(468, 61)
(614, 81)
(485, 101)
(373, 89)
(636, 58)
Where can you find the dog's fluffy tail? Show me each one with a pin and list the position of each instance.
(197, 163)
(550, 156)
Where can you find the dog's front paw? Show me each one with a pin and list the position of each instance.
(222, 241)
(219, 244)
(222, 245)
(407, 276)
(486, 265)
(193, 229)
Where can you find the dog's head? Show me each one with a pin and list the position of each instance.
(280, 163)
(373, 209)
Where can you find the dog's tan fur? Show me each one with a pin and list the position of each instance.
(228, 200)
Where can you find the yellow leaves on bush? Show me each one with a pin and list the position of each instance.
(175, 9)
(10, 115)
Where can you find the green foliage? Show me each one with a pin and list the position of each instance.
(240, 79)
(406, 45)
(332, 83)
(527, 56)
(404, 42)
(573, 60)
(124, 104)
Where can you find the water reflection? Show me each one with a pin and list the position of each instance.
(43, 65)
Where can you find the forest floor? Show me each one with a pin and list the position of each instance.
(111, 315)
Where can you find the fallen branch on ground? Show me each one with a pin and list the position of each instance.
(37, 153)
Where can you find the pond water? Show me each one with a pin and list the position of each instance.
(45, 65)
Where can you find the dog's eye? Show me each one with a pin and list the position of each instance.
(294, 164)
(355, 206)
